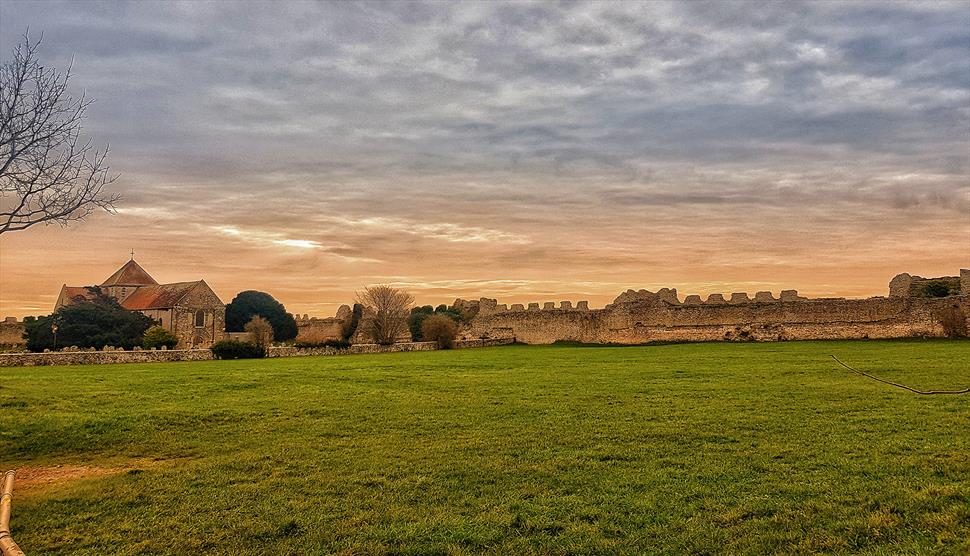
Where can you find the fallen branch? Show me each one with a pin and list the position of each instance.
(7, 545)
(897, 385)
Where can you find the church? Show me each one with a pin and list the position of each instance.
(190, 310)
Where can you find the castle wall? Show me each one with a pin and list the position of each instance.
(649, 319)
(906, 285)
(319, 330)
(12, 334)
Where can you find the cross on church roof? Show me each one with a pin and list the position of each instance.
(132, 254)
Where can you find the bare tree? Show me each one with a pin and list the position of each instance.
(48, 174)
(386, 311)
(260, 332)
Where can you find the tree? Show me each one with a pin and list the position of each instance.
(94, 324)
(387, 311)
(250, 303)
(157, 337)
(417, 318)
(440, 328)
(48, 174)
(260, 332)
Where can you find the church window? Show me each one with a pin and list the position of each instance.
(200, 318)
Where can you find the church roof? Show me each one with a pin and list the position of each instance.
(158, 296)
(70, 294)
(131, 274)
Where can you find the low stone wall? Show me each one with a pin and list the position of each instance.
(357, 349)
(157, 356)
(102, 357)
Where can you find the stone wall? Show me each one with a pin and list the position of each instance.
(12, 334)
(906, 285)
(102, 357)
(317, 329)
(641, 317)
(155, 356)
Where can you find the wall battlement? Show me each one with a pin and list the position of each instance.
(641, 316)
(487, 306)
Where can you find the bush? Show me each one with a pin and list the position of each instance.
(419, 314)
(440, 328)
(335, 344)
(156, 337)
(935, 288)
(235, 349)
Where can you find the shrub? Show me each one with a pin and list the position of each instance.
(935, 288)
(252, 303)
(332, 343)
(419, 314)
(235, 349)
(260, 332)
(440, 328)
(156, 337)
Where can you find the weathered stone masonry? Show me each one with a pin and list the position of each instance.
(642, 317)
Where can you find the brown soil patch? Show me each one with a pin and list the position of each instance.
(33, 479)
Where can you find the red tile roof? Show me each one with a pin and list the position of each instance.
(158, 296)
(131, 274)
(73, 293)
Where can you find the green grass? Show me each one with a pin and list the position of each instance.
(704, 448)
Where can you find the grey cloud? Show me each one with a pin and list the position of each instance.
(495, 111)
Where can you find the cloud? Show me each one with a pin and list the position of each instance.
(587, 143)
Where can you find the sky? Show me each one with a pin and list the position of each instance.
(521, 151)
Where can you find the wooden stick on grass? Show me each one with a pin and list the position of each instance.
(903, 386)
(7, 545)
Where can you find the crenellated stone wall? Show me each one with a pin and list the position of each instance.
(642, 316)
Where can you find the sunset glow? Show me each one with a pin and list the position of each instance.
(525, 152)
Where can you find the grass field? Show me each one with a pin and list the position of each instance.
(695, 448)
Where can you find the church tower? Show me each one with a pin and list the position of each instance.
(126, 280)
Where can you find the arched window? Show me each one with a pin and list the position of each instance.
(200, 318)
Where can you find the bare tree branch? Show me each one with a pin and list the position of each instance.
(47, 173)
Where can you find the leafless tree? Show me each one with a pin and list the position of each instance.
(260, 332)
(386, 311)
(48, 174)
